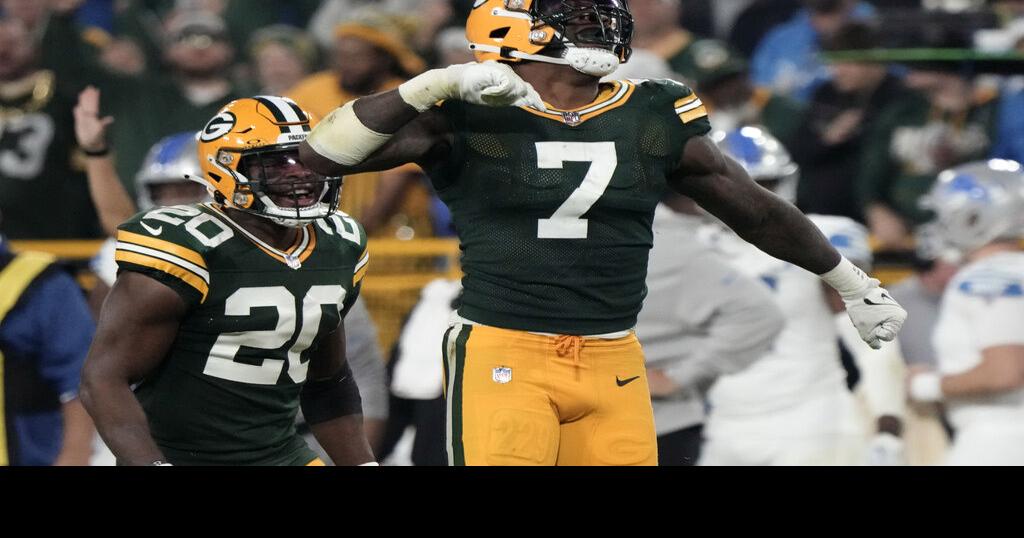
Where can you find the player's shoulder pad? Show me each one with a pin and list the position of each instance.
(990, 280)
(667, 94)
(162, 242)
(342, 233)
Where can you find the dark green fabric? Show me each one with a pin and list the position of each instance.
(782, 116)
(498, 194)
(203, 419)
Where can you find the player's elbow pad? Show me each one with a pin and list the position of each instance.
(343, 138)
(328, 399)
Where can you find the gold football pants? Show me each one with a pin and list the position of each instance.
(517, 398)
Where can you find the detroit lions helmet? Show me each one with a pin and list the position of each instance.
(172, 160)
(975, 204)
(763, 157)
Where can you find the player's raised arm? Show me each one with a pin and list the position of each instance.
(137, 327)
(388, 129)
(721, 186)
(331, 404)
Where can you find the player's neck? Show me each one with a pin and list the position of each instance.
(558, 85)
(992, 249)
(275, 235)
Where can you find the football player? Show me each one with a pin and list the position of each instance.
(553, 194)
(979, 338)
(792, 406)
(225, 317)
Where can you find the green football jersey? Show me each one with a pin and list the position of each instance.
(554, 209)
(228, 390)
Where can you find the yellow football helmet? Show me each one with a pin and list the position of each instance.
(543, 30)
(249, 157)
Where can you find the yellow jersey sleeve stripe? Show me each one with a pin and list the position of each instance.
(686, 100)
(178, 272)
(160, 244)
(358, 276)
(694, 114)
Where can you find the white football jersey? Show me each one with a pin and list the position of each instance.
(983, 307)
(804, 361)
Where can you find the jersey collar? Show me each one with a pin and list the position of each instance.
(293, 256)
(611, 96)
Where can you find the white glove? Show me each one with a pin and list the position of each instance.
(875, 314)
(490, 83)
(886, 450)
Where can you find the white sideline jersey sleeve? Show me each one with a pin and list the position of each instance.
(983, 307)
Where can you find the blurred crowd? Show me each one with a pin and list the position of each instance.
(869, 136)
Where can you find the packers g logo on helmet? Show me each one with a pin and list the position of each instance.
(248, 154)
(517, 30)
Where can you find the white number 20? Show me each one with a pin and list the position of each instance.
(221, 362)
(567, 222)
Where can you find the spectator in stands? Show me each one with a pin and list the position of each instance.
(908, 147)
(841, 114)
(282, 56)
(370, 54)
(43, 193)
(787, 59)
(659, 31)
(722, 79)
(196, 85)
(45, 330)
(756, 20)
(427, 17)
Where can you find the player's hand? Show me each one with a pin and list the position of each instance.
(875, 314)
(661, 385)
(491, 83)
(885, 449)
(90, 128)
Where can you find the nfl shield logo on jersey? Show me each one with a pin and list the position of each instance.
(502, 374)
(571, 118)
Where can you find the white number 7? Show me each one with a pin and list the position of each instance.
(567, 223)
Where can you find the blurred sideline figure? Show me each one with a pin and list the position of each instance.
(416, 425)
(791, 407)
(701, 319)
(979, 338)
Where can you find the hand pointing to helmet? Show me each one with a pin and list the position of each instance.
(489, 83)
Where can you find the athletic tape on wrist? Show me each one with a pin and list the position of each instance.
(343, 138)
(848, 279)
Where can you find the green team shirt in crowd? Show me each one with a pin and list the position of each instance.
(228, 390)
(554, 209)
(43, 190)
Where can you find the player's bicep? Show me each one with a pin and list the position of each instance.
(137, 326)
(718, 183)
